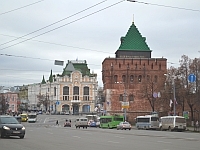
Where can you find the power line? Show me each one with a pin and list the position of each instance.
(174, 7)
(54, 23)
(62, 45)
(20, 8)
(63, 25)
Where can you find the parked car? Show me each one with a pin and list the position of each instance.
(124, 126)
(9, 126)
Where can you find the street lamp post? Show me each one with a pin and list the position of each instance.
(174, 95)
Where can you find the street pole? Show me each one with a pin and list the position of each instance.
(174, 97)
(125, 101)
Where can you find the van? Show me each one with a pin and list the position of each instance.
(81, 122)
(32, 117)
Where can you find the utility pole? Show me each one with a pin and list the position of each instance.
(174, 93)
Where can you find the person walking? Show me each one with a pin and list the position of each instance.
(57, 123)
(197, 125)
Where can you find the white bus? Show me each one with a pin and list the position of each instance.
(147, 122)
(32, 117)
(172, 123)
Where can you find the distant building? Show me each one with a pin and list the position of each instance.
(129, 75)
(75, 90)
(9, 99)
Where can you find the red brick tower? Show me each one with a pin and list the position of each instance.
(133, 77)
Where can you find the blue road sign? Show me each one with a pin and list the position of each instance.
(57, 102)
(191, 78)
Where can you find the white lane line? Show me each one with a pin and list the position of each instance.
(119, 137)
(76, 136)
(164, 142)
(45, 119)
(113, 142)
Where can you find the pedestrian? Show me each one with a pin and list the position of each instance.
(57, 123)
(197, 125)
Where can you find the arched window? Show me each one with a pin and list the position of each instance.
(66, 93)
(148, 78)
(86, 90)
(65, 90)
(54, 91)
(155, 78)
(76, 93)
(131, 78)
(86, 93)
(124, 78)
(115, 79)
(139, 78)
(76, 90)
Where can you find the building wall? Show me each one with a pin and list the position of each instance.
(130, 66)
(53, 92)
(12, 100)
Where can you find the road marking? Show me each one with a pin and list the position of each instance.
(119, 137)
(76, 137)
(113, 142)
(45, 120)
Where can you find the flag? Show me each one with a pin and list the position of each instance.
(170, 103)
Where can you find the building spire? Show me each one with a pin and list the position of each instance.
(43, 80)
(51, 77)
(133, 19)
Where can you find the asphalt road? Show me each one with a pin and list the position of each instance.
(44, 135)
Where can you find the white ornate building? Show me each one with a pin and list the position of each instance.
(75, 90)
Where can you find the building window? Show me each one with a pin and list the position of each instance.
(115, 78)
(54, 91)
(131, 97)
(76, 90)
(66, 93)
(159, 66)
(65, 90)
(86, 97)
(139, 78)
(65, 98)
(123, 78)
(155, 79)
(131, 78)
(86, 94)
(76, 97)
(148, 78)
(86, 91)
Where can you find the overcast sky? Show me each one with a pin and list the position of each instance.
(171, 28)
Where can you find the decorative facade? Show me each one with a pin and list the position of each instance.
(75, 90)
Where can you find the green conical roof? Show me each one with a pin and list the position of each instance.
(43, 80)
(51, 77)
(133, 40)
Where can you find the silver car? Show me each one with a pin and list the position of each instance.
(124, 126)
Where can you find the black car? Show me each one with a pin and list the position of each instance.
(9, 126)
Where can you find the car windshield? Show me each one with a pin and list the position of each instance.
(9, 120)
(125, 123)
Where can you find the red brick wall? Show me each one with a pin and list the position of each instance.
(137, 67)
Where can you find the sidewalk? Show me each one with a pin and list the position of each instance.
(193, 129)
